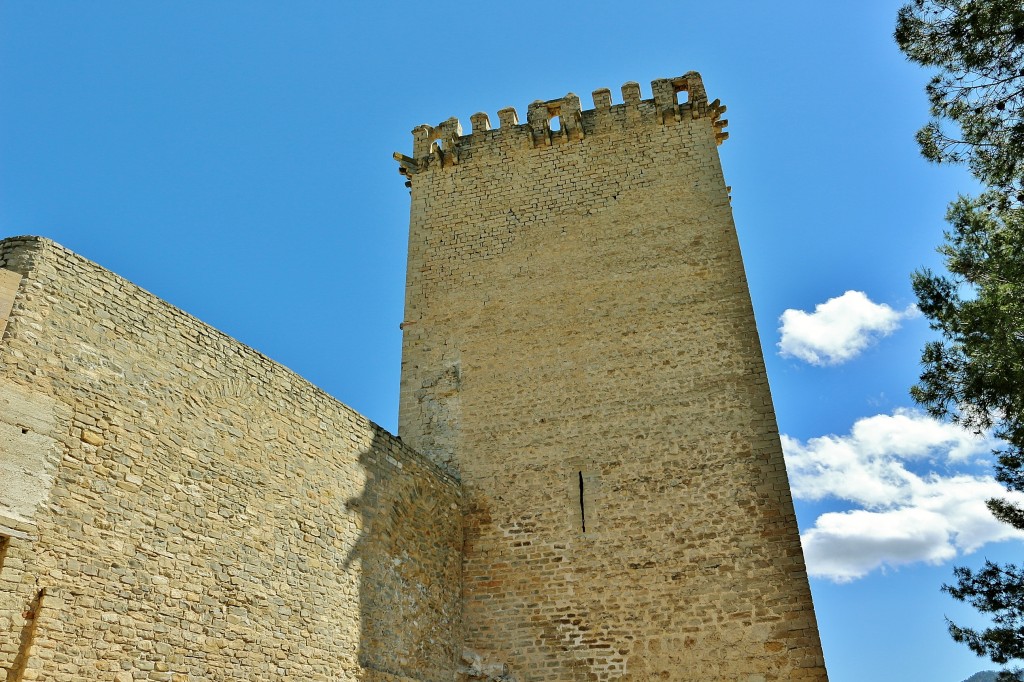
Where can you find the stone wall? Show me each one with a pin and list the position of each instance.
(176, 506)
(580, 348)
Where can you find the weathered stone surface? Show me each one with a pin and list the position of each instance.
(199, 512)
(579, 347)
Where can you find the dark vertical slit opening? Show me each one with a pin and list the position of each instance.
(583, 509)
(4, 544)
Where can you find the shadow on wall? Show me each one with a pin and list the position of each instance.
(367, 542)
(410, 554)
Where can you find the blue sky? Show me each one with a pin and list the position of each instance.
(234, 158)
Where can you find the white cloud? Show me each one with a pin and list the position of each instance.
(899, 516)
(849, 545)
(838, 329)
(866, 466)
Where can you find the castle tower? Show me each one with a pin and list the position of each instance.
(579, 347)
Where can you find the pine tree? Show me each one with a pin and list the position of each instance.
(978, 93)
(974, 374)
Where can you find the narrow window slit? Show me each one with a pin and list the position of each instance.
(583, 509)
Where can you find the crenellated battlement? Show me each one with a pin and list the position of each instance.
(673, 99)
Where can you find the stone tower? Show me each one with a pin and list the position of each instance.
(580, 349)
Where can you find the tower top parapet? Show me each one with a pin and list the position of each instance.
(673, 99)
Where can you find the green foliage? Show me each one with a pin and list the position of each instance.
(999, 591)
(978, 48)
(974, 374)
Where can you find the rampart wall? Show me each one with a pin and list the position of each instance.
(176, 506)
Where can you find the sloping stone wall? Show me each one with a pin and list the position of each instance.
(176, 506)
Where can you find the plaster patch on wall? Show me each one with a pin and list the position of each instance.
(29, 452)
(440, 408)
(9, 282)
